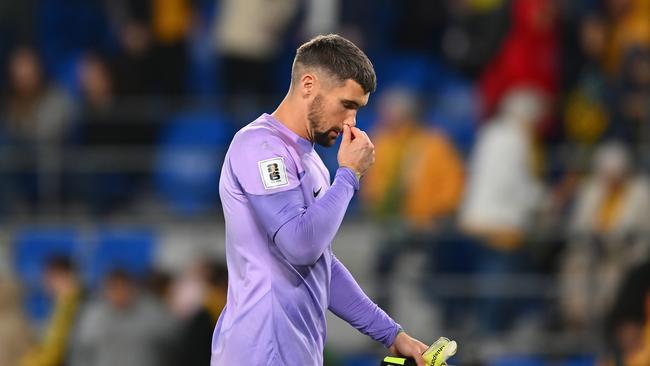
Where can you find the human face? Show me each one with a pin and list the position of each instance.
(25, 73)
(332, 108)
(119, 292)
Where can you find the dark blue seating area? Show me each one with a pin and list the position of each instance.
(188, 161)
(95, 254)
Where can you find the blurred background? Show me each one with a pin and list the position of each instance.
(509, 208)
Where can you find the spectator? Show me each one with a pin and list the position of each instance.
(15, 336)
(154, 35)
(503, 190)
(134, 67)
(415, 185)
(474, 32)
(37, 112)
(198, 325)
(62, 281)
(628, 328)
(102, 125)
(608, 235)
(631, 110)
(586, 112)
(248, 38)
(629, 28)
(125, 327)
(528, 56)
(501, 196)
(37, 115)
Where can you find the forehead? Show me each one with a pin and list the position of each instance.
(350, 90)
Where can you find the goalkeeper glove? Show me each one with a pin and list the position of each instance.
(436, 355)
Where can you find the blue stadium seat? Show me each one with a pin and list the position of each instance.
(189, 159)
(128, 249)
(361, 360)
(411, 71)
(66, 74)
(202, 71)
(455, 112)
(582, 360)
(518, 360)
(66, 28)
(418, 72)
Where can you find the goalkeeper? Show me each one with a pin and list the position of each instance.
(282, 214)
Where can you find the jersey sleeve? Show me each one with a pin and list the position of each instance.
(262, 164)
(350, 303)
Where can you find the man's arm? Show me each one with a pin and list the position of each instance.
(350, 303)
(303, 233)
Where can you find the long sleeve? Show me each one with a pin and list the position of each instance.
(350, 303)
(302, 233)
(52, 350)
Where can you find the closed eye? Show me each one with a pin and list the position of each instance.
(349, 104)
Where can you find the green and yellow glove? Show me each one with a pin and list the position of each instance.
(436, 355)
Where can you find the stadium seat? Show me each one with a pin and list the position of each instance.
(128, 249)
(189, 159)
(583, 360)
(361, 360)
(512, 360)
(66, 28)
(66, 74)
(455, 111)
(411, 71)
(418, 72)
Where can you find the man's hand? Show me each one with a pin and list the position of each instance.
(406, 346)
(356, 151)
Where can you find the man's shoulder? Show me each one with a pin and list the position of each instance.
(258, 134)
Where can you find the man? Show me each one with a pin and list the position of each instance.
(282, 214)
(62, 282)
(123, 327)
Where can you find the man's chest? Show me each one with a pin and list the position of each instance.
(315, 180)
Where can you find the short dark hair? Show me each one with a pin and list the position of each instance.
(339, 57)
(60, 263)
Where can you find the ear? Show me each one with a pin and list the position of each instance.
(308, 85)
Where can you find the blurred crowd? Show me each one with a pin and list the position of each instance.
(158, 319)
(512, 141)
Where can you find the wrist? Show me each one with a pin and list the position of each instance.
(349, 175)
(356, 172)
(391, 344)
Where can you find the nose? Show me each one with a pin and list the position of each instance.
(351, 121)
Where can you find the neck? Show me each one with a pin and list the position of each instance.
(292, 114)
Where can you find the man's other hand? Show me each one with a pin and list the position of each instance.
(406, 346)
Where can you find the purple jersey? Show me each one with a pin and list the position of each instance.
(281, 215)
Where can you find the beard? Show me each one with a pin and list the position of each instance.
(315, 116)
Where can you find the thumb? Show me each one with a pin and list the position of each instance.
(347, 135)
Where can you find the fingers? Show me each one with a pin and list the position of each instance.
(421, 347)
(347, 135)
(419, 360)
(356, 132)
(361, 135)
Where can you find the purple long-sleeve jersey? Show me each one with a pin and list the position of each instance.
(281, 216)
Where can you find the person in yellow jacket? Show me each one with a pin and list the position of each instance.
(62, 281)
(415, 184)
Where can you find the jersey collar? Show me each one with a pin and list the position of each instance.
(303, 144)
